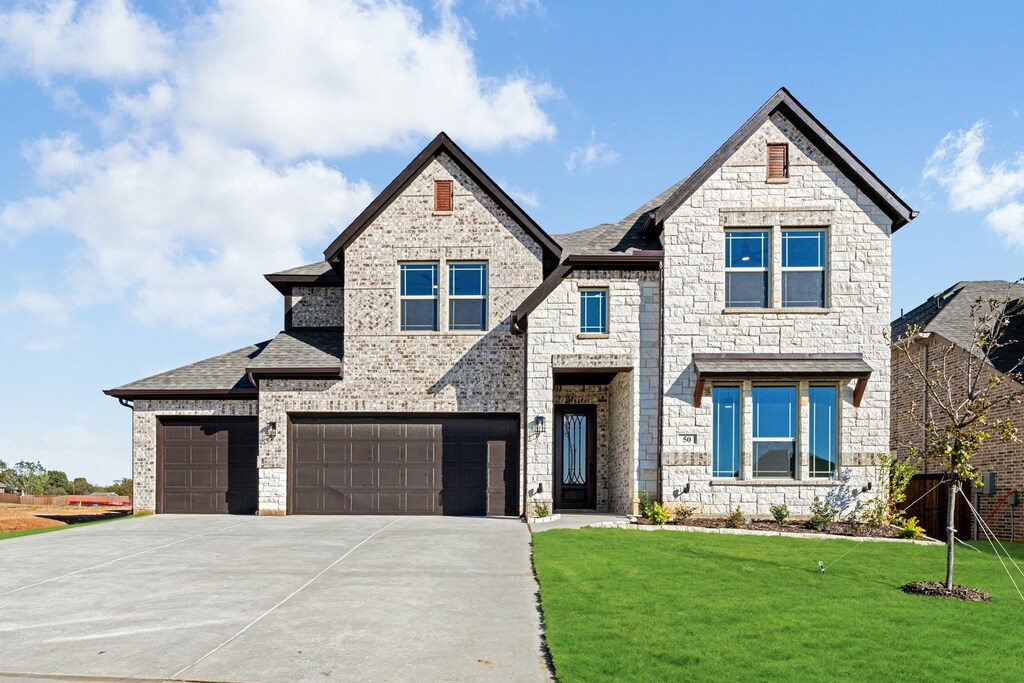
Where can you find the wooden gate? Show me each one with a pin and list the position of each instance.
(931, 509)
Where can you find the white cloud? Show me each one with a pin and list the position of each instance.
(956, 166)
(521, 196)
(103, 39)
(183, 234)
(211, 173)
(331, 77)
(591, 154)
(515, 8)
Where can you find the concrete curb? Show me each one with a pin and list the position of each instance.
(757, 532)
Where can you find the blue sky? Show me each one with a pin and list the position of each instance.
(156, 158)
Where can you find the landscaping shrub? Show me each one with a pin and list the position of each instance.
(541, 510)
(645, 505)
(893, 476)
(683, 512)
(909, 528)
(735, 520)
(780, 513)
(658, 514)
(822, 513)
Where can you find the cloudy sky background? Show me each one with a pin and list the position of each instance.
(156, 158)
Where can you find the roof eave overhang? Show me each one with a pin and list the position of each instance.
(283, 282)
(183, 394)
(332, 372)
(441, 143)
(638, 260)
(898, 211)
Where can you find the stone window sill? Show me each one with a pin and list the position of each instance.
(592, 335)
(825, 482)
(762, 311)
(776, 181)
(443, 213)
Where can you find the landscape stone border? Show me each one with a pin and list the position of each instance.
(758, 532)
(543, 520)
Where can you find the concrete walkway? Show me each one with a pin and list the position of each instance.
(578, 520)
(222, 598)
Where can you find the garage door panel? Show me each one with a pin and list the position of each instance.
(400, 465)
(207, 465)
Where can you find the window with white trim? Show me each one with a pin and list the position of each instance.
(467, 296)
(747, 255)
(593, 311)
(774, 431)
(804, 263)
(418, 297)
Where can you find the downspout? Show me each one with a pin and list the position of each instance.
(924, 416)
(661, 371)
(128, 403)
(526, 421)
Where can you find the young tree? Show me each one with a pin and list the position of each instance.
(966, 394)
(122, 487)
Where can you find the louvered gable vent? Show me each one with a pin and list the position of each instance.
(442, 195)
(778, 161)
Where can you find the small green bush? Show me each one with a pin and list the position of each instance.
(683, 512)
(645, 505)
(541, 510)
(658, 514)
(909, 528)
(822, 514)
(780, 513)
(735, 520)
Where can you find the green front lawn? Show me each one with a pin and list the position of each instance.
(673, 606)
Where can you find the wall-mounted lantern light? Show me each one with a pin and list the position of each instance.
(270, 430)
(538, 425)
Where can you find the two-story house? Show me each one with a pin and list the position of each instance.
(722, 346)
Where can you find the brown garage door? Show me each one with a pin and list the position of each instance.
(404, 465)
(207, 466)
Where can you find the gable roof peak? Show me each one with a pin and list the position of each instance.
(846, 161)
(441, 143)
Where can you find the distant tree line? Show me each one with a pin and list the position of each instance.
(36, 480)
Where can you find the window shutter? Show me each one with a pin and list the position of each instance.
(442, 195)
(778, 161)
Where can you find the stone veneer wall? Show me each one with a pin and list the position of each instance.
(318, 307)
(387, 370)
(145, 415)
(632, 341)
(816, 194)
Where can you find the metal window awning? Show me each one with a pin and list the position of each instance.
(780, 366)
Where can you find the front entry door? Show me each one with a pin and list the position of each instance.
(575, 461)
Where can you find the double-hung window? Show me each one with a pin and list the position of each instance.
(726, 402)
(419, 297)
(593, 311)
(467, 296)
(774, 431)
(746, 268)
(823, 400)
(804, 263)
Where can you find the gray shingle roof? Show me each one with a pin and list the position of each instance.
(225, 372)
(948, 314)
(312, 348)
(721, 365)
(318, 268)
(622, 237)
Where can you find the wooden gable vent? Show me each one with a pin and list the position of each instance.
(778, 161)
(442, 195)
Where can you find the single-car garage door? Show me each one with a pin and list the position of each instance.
(429, 465)
(207, 465)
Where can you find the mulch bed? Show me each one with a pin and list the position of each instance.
(939, 590)
(834, 528)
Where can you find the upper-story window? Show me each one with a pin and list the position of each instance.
(593, 311)
(419, 297)
(804, 260)
(442, 196)
(467, 296)
(746, 268)
(778, 161)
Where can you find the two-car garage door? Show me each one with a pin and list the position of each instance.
(427, 465)
(432, 465)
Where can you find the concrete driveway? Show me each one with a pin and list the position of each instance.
(219, 598)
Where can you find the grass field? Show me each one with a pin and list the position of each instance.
(627, 605)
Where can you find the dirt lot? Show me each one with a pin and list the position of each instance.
(14, 517)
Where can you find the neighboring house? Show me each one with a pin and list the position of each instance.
(946, 322)
(722, 346)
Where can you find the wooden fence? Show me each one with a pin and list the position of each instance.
(63, 500)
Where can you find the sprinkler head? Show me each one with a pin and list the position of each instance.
(821, 565)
